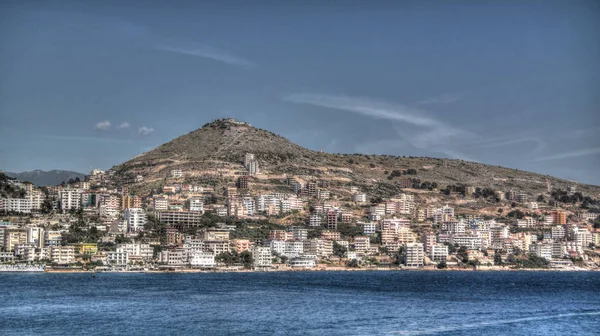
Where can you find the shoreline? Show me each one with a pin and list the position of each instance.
(375, 269)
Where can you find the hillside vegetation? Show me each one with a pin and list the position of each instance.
(214, 153)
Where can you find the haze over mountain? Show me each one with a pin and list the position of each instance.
(214, 154)
(46, 178)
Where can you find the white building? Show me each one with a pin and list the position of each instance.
(176, 173)
(439, 252)
(196, 204)
(136, 219)
(144, 251)
(414, 254)
(359, 198)
(70, 199)
(305, 261)
(22, 205)
(117, 258)
(315, 220)
(533, 206)
(369, 228)
(62, 254)
(160, 203)
(443, 213)
(261, 257)
(202, 259)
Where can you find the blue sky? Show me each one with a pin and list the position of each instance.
(87, 84)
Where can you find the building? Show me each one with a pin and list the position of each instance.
(414, 255)
(176, 173)
(542, 250)
(21, 205)
(359, 198)
(521, 197)
(368, 228)
(241, 245)
(52, 238)
(261, 257)
(160, 203)
(362, 243)
(202, 259)
(180, 218)
(315, 220)
(443, 214)
(117, 258)
(140, 250)
(438, 252)
(69, 199)
(533, 206)
(332, 219)
(62, 254)
(136, 219)
(196, 205)
(298, 232)
(559, 217)
(86, 248)
(14, 237)
(405, 182)
(305, 261)
(243, 182)
(253, 168)
(248, 158)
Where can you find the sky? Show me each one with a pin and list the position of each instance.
(91, 84)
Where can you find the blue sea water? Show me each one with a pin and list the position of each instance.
(302, 303)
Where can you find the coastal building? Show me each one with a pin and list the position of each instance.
(414, 255)
(261, 257)
(202, 259)
(62, 255)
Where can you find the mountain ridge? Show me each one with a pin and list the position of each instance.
(46, 178)
(220, 146)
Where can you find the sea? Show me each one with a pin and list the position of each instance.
(301, 303)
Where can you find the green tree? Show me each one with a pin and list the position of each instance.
(339, 249)
(442, 264)
(497, 258)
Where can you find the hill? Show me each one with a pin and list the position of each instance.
(46, 178)
(214, 154)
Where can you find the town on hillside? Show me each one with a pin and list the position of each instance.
(98, 223)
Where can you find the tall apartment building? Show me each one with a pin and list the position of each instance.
(414, 255)
(332, 219)
(69, 199)
(136, 219)
(261, 257)
(559, 217)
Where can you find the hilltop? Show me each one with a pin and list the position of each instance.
(214, 154)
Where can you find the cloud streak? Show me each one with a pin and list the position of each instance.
(124, 125)
(208, 52)
(102, 125)
(144, 131)
(87, 139)
(425, 132)
(572, 154)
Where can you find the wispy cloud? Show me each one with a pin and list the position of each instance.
(507, 141)
(102, 125)
(442, 99)
(124, 125)
(429, 133)
(572, 154)
(143, 131)
(87, 139)
(208, 52)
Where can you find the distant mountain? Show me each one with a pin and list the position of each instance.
(214, 154)
(46, 178)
